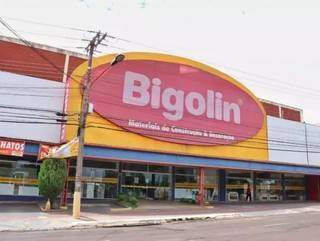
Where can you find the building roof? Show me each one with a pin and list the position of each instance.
(43, 47)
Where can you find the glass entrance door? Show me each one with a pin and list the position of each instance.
(146, 181)
(158, 186)
(135, 182)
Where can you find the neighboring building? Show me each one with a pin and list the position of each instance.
(150, 132)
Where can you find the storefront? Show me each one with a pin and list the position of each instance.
(169, 128)
(105, 179)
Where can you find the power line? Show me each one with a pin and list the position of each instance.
(17, 63)
(254, 74)
(204, 142)
(35, 122)
(288, 84)
(254, 139)
(51, 25)
(151, 47)
(50, 35)
(27, 114)
(70, 96)
(30, 45)
(282, 130)
(280, 87)
(21, 116)
(29, 108)
(295, 90)
(283, 143)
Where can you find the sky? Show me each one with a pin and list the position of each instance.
(272, 47)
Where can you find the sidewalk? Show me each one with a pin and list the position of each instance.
(28, 217)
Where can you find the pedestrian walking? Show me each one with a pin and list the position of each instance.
(248, 194)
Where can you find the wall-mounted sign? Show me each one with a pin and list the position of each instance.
(175, 102)
(11, 148)
(163, 103)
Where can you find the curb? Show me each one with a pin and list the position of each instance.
(75, 225)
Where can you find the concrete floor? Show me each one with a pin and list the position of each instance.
(293, 227)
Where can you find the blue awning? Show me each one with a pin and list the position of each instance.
(175, 159)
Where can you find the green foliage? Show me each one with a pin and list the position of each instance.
(52, 178)
(128, 200)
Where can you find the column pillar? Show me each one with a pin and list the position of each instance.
(173, 182)
(119, 189)
(254, 186)
(283, 187)
(201, 186)
(63, 200)
(222, 185)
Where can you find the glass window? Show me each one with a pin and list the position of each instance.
(186, 183)
(159, 169)
(149, 185)
(238, 185)
(182, 180)
(187, 170)
(294, 187)
(100, 179)
(101, 164)
(268, 186)
(211, 185)
(19, 177)
(6, 168)
(134, 167)
(134, 179)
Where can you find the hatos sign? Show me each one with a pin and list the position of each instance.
(176, 101)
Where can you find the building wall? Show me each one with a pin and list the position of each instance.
(290, 114)
(41, 61)
(33, 78)
(288, 142)
(282, 111)
(313, 139)
(18, 95)
(271, 109)
(23, 67)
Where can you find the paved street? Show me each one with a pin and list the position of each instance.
(293, 227)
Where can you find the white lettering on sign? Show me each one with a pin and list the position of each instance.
(10, 145)
(137, 92)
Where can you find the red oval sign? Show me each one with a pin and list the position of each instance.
(175, 102)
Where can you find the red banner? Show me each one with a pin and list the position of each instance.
(12, 148)
(43, 151)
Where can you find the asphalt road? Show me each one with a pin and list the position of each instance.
(293, 227)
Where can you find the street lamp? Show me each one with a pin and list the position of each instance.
(115, 61)
(87, 84)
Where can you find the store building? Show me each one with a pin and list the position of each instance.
(163, 126)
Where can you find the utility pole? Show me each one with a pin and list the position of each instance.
(82, 123)
(86, 85)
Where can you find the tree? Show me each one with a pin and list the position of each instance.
(52, 178)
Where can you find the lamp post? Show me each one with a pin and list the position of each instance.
(83, 117)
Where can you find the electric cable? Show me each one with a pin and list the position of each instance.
(30, 45)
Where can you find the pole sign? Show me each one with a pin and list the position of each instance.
(11, 148)
(176, 102)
